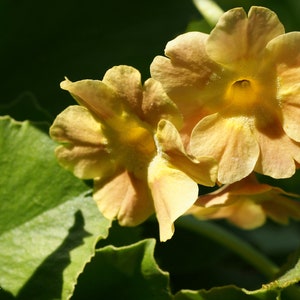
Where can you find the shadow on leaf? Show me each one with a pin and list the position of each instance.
(47, 281)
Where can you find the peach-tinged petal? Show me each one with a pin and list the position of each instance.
(126, 81)
(173, 193)
(124, 198)
(278, 153)
(188, 50)
(282, 206)
(285, 52)
(245, 214)
(187, 70)
(247, 203)
(230, 142)
(237, 37)
(203, 171)
(196, 93)
(157, 105)
(178, 81)
(84, 151)
(94, 95)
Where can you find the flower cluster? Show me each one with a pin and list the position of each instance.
(217, 108)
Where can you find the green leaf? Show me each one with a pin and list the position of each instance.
(128, 272)
(49, 225)
(225, 293)
(281, 288)
(290, 277)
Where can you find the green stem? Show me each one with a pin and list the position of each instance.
(232, 242)
(209, 10)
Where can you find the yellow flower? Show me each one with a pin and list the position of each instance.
(122, 136)
(239, 91)
(247, 203)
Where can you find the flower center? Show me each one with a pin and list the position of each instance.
(242, 94)
(132, 144)
(244, 83)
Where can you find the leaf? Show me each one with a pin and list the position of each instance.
(225, 293)
(128, 272)
(49, 225)
(281, 288)
(290, 277)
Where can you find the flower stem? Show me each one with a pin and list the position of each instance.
(232, 242)
(209, 10)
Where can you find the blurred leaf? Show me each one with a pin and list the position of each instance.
(49, 225)
(126, 273)
(199, 25)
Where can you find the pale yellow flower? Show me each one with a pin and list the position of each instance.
(247, 204)
(122, 136)
(239, 91)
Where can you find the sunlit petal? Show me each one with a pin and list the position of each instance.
(157, 105)
(284, 50)
(230, 142)
(125, 198)
(94, 95)
(203, 170)
(84, 150)
(277, 150)
(126, 81)
(237, 37)
(173, 193)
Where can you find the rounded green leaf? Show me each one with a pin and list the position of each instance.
(49, 224)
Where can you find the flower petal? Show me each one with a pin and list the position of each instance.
(278, 153)
(203, 170)
(126, 81)
(83, 151)
(246, 203)
(282, 206)
(94, 95)
(285, 53)
(236, 37)
(230, 142)
(125, 198)
(173, 193)
(187, 72)
(157, 105)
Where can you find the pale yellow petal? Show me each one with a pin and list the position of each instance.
(157, 105)
(285, 53)
(237, 38)
(96, 96)
(173, 193)
(230, 141)
(203, 170)
(77, 125)
(126, 81)
(84, 147)
(124, 198)
(85, 161)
